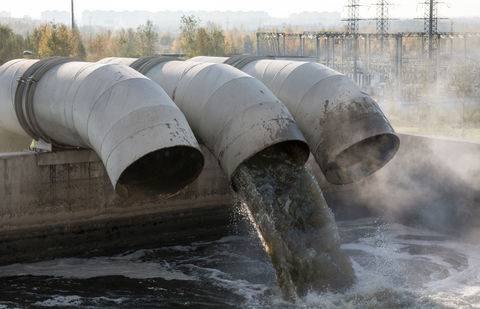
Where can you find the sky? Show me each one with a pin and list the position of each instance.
(276, 8)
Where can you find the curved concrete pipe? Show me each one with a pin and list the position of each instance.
(234, 114)
(140, 135)
(348, 133)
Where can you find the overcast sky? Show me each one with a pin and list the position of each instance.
(277, 8)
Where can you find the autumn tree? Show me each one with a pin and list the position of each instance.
(147, 39)
(57, 40)
(125, 43)
(196, 40)
(77, 45)
(238, 42)
(166, 42)
(217, 41)
(12, 45)
(100, 46)
(188, 34)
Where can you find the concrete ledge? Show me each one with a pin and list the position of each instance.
(62, 204)
(67, 157)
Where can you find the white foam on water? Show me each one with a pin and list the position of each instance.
(461, 288)
(116, 301)
(79, 268)
(251, 292)
(386, 276)
(61, 301)
(388, 273)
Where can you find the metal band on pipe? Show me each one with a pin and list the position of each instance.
(24, 108)
(141, 61)
(240, 61)
(145, 64)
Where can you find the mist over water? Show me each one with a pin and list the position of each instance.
(286, 206)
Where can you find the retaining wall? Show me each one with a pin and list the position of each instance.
(62, 203)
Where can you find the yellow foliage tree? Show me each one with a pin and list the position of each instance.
(57, 40)
(196, 40)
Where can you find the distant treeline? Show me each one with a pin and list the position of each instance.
(45, 41)
(52, 39)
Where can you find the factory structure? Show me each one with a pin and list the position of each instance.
(381, 58)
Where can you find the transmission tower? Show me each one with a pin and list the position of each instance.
(430, 25)
(431, 17)
(383, 17)
(353, 19)
(383, 20)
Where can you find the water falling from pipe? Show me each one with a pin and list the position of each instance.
(298, 230)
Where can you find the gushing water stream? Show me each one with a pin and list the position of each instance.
(287, 208)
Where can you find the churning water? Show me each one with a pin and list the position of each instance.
(396, 267)
(285, 205)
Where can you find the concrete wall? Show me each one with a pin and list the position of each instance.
(62, 203)
(56, 202)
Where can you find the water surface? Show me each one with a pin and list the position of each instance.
(396, 267)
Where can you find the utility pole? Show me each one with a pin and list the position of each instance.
(72, 14)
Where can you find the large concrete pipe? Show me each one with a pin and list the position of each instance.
(235, 115)
(348, 133)
(140, 135)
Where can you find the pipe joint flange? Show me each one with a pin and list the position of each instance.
(24, 94)
(240, 61)
(145, 64)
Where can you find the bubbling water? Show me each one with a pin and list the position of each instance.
(286, 206)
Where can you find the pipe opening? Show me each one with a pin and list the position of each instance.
(163, 171)
(362, 159)
(296, 152)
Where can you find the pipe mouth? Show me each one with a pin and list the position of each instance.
(362, 159)
(166, 170)
(293, 151)
(297, 151)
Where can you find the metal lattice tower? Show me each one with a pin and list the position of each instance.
(383, 17)
(430, 25)
(353, 19)
(431, 17)
(383, 21)
(353, 26)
